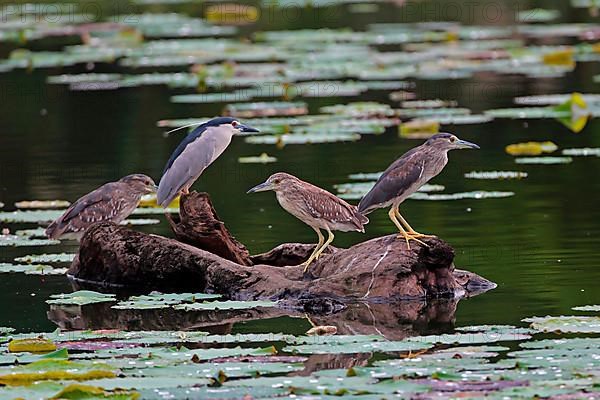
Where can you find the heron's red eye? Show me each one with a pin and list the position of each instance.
(453, 139)
(235, 123)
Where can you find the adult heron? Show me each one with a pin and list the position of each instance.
(197, 151)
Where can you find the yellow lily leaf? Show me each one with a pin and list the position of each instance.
(559, 58)
(35, 345)
(419, 129)
(531, 148)
(51, 369)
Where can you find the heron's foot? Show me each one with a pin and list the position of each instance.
(408, 237)
(416, 234)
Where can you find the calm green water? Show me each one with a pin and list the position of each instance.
(541, 246)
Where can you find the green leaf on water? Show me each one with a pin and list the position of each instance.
(587, 308)
(496, 175)
(46, 258)
(544, 160)
(156, 300)
(31, 269)
(224, 305)
(80, 298)
(565, 324)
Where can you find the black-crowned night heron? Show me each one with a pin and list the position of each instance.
(406, 175)
(314, 206)
(197, 151)
(113, 201)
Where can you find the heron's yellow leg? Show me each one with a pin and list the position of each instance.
(406, 235)
(327, 243)
(313, 255)
(411, 231)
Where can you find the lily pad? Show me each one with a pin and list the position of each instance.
(224, 305)
(80, 298)
(587, 308)
(20, 241)
(496, 175)
(565, 324)
(544, 160)
(43, 204)
(263, 158)
(32, 269)
(52, 369)
(586, 151)
(34, 345)
(156, 300)
(531, 148)
(46, 258)
(478, 195)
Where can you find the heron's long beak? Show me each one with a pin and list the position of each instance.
(463, 144)
(246, 128)
(263, 187)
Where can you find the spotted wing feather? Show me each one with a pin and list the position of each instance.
(107, 203)
(321, 204)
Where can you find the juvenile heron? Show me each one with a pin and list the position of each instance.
(197, 151)
(406, 175)
(314, 206)
(113, 201)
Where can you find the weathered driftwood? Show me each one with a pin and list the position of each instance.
(380, 269)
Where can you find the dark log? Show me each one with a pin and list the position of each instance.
(199, 225)
(380, 270)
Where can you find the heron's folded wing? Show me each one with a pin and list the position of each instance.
(99, 205)
(324, 205)
(396, 181)
(188, 164)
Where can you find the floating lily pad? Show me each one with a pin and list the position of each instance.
(249, 110)
(34, 345)
(43, 204)
(156, 300)
(302, 138)
(565, 324)
(531, 148)
(20, 241)
(587, 308)
(478, 195)
(263, 158)
(54, 370)
(224, 305)
(46, 258)
(586, 151)
(544, 160)
(496, 175)
(32, 269)
(80, 298)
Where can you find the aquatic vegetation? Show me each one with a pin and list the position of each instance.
(81, 298)
(38, 204)
(263, 158)
(544, 160)
(565, 324)
(531, 148)
(478, 195)
(586, 151)
(19, 241)
(496, 175)
(587, 308)
(156, 300)
(46, 258)
(31, 269)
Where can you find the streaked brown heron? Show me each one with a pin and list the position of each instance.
(406, 175)
(314, 206)
(198, 150)
(113, 201)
